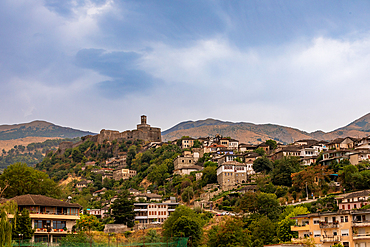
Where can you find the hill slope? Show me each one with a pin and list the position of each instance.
(38, 129)
(255, 133)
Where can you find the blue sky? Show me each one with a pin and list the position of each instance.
(95, 64)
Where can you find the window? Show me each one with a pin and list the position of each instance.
(316, 221)
(343, 207)
(345, 232)
(346, 244)
(317, 233)
(345, 218)
(59, 224)
(355, 206)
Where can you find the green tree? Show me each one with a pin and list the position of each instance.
(123, 209)
(262, 164)
(24, 180)
(260, 203)
(130, 155)
(262, 232)
(272, 144)
(283, 169)
(88, 223)
(229, 233)
(9, 207)
(260, 151)
(184, 222)
(159, 173)
(152, 236)
(187, 194)
(284, 232)
(23, 225)
(77, 156)
(209, 175)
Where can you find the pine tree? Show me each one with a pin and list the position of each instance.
(24, 225)
(123, 210)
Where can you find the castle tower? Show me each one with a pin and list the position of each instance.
(143, 123)
(143, 119)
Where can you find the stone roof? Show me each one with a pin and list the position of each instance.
(40, 200)
(357, 194)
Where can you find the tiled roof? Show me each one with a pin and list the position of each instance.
(40, 200)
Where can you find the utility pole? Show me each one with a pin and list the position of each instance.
(306, 191)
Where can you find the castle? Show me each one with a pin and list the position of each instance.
(143, 132)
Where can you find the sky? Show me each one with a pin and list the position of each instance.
(101, 64)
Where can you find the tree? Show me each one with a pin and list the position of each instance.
(159, 173)
(260, 151)
(209, 175)
(261, 203)
(262, 164)
(184, 222)
(281, 174)
(272, 144)
(130, 155)
(229, 233)
(152, 236)
(9, 207)
(23, 225)
(123, 209)
(77, 155)
(88, 223)
(262, 232)
(187, 194)
(284, 232)
(24, 180)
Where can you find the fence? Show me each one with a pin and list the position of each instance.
(175, 242)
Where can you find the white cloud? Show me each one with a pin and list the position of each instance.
(317, 84)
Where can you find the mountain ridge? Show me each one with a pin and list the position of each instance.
(248, 132)
(39, 128)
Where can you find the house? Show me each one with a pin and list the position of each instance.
(83, 184)
(359, 155)
(346, 227)
(99, 213)
(335, 155)
(185, 163)
(292, 150)
(148, 197)
(123, 174)
(306, 142)
(148, 213)
(246, 147)
(230, 174)
(106, 176)
(48, 213)
(229, 143)
(187, 142)
(353, 200)
(99, 192)
(342, 143)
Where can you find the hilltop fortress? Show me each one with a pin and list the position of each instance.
(143, 132)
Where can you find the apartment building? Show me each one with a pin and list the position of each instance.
(353, 200)
(123, 174)
(147, 213)
(51, 218)
(231, 173)
(351, 228)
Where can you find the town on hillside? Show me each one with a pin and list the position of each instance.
(130, 187)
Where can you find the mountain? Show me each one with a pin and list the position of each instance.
(39, 129)
(256, 133)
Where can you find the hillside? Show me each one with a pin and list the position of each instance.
(39, 129)
(255, 133)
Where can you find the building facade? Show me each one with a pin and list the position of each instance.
(52, 219)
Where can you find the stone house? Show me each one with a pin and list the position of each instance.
(185, 163)
(123, 174)
(230, 174)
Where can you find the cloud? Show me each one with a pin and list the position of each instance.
(299, 79)
(121, 67)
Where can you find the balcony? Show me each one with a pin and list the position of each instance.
(329, 225)
(300, 228)
(54, 216)
(299, 240)
(361, 223)
(53, 231)
(361, 236)
(140, 210)
(328, 239)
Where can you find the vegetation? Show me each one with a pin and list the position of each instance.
(20, 179)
